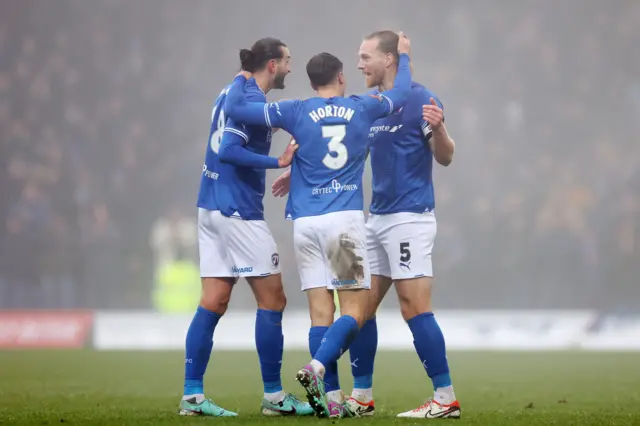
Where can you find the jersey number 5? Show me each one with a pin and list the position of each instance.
(337, 156)
(216, 136)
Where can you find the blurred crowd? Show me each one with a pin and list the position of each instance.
(104, 110)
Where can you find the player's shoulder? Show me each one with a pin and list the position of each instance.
(420, 93)
(373, 93)
(317, 101)
(420, 89)
(365, 97)
(360, 98)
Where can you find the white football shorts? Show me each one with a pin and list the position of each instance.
(232, 247)
(400, 244)
(331, 251)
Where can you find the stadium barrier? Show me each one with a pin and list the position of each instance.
(45, 329)
(464, 330)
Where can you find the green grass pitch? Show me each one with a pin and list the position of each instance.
(142, 388)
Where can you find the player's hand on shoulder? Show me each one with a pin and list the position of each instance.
(433, 114)
(286, 158)
(281, 185)
(404, 44)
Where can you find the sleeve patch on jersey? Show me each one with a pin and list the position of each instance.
(237, 132)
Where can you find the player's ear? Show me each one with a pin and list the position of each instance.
(271, 66)
(388, 60)
(341, 78)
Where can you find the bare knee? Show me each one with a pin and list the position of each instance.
(354, 303)
(269, 292)
(216, 294)
(321, 307)
(414, 296)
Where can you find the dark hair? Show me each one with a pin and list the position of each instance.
(323, 68)
(262, 51)
(387, 42)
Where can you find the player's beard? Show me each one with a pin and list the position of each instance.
(369, 81)
(278, 82)
(373, 80)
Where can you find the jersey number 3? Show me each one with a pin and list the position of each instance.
(337, 156)
(216, 136)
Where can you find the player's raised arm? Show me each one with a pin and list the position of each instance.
(233, 151)
(237, 107)
(390, 100)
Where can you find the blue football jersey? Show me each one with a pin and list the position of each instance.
(210, 187)
(326, 174)
(401, 159)
(233, 190)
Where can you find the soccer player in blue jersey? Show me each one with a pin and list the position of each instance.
(326, 201)
(401, 228)
(234, 241)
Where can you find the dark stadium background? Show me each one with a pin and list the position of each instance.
(104, 116)
(106, 105)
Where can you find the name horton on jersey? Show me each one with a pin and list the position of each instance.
(334, 188)
(331, 111)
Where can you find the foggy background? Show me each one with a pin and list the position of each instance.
(105, 109)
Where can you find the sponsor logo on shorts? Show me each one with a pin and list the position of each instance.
(275, 259)
(406, 265)
(242, 270)
(345, 284)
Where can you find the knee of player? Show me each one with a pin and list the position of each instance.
(357, 313)
(269, 292)
(370, 312)
(272, 302)
(217, 303)
(371, 308)
(216, 294)
(359, 316)
(412, 308)
(414, 296)
(322, 310)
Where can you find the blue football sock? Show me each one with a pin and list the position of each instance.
(337, 340)
(270, 345)
(198, 349)
(331, 381)
(429, 343)
(363, 353)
